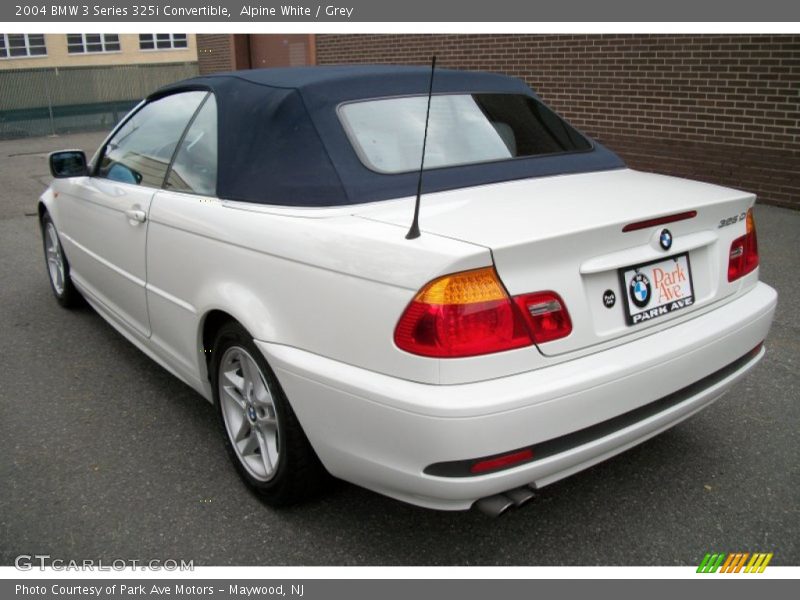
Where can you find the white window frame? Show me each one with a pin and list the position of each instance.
(27, 46)
(85, 44)
(172, 40)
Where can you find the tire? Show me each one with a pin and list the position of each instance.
(58, 266)
(261, 432)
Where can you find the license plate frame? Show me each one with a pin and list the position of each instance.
(636, 315)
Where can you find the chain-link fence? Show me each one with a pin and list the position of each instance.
(51, 101)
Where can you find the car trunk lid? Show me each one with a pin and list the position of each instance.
(590, 238)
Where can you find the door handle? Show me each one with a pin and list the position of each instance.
(136, 215)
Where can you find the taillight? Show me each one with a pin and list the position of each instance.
(470, 313)
(464, 314)
(546, 315)
(743, 257)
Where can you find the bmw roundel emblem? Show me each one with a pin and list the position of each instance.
(665, 239)
(640, 290)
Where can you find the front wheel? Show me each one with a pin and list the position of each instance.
(57, 266)
(262, 435)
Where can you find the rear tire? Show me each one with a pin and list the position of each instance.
(58, 266)
(262, 435)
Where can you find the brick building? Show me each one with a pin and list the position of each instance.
(719, 108)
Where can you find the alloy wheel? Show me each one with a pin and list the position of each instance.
(248, 409)
(55, 259)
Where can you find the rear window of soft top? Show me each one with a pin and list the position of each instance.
(463, 129)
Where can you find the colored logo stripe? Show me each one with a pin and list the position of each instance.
(733, 562)
(710, 563)
(759, 561)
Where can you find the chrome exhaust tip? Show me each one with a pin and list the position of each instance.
(520, 495)
(494, 506)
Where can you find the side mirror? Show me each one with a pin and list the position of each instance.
(68, 163)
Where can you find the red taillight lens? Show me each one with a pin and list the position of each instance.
(470, 313)
(546, 315)
(460, 329)
(743, 257)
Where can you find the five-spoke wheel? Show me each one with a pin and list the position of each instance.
(262, 433)
(249, 411)
(57, 265)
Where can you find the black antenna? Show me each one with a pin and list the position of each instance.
(413, 232)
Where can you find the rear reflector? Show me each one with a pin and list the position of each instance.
(689, 214)
(743, 256)
(501, 462)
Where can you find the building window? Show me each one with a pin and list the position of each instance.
(162, 41)
(22, 45)
(85, 43)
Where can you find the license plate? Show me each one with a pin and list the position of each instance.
(656, 288)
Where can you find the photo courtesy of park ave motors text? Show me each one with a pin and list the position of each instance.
(389, 298)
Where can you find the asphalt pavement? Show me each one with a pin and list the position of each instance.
(103, 454)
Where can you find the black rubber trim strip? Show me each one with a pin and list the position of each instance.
(542, 450)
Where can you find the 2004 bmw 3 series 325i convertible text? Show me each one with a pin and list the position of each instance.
(248, 232)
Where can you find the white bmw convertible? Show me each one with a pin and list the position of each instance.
(255, 234)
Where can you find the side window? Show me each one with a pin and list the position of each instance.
(195, 167)
(140, 152)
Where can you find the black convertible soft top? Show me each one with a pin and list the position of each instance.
(281, 141)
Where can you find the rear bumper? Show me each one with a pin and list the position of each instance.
(381, 432)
